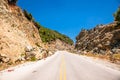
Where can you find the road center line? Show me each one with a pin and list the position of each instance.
(62, 69)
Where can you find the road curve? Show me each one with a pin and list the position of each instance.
(61, 66)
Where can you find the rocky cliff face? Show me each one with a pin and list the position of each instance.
(59, 45)
(102, 39)
(19, 38)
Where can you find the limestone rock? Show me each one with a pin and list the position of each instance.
(16, 33)
(100, 39)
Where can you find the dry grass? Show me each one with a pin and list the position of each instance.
(7, 65)
(97, 55)
(115, 58)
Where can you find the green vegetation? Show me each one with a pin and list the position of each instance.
(48, 35)
(37, 25)
(23, 54)
(12, 2)
(115, 57)
(33, 58)
(28, 15)
(117, 15)
(30, 18)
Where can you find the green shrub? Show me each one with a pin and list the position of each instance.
(28, 15)
(37, 25)
(22, 55)
(117, 15)
(33, 58)
(46, 34)
(12, 2)
(117, 26)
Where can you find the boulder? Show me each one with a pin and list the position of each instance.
(28, 48)
(29, 55)
(100, 39)
(116, 51)
(4, 58)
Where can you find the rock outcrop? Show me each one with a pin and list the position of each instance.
(102, 39)
(19, 38)
(59, 45)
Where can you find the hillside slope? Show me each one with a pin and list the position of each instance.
(103, 39)
(55, 40)
(22, 38)
(18, 36)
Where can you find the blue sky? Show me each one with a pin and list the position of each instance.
(70, 16)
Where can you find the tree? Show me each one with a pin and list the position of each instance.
(117, 15)
(12, 2)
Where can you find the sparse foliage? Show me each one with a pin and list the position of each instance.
(33, 58)
(28, 15)
(117, 15)
(37, 25)
(48, 35)
(12, 2)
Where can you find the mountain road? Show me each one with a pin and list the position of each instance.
(61, 66)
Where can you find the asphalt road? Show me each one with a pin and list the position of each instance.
(61, 66)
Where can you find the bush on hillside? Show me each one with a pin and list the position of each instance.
(48, 35)
(117, 15)
(37, 25)
(12, 2)
(28, 15)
